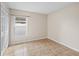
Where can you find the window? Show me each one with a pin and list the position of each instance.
(20, 28)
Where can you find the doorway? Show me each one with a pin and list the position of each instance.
(19, 30)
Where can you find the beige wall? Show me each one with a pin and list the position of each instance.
(63, 26)
(37, 27)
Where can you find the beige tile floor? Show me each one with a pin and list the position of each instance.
(44, 47)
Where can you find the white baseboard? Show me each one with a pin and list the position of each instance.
(28, 40)
(64, 44)
(55, 41)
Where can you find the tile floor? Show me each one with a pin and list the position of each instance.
(43, 47)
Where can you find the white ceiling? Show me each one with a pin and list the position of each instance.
(39, 7)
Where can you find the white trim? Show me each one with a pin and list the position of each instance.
(75, 49)
(29, 39)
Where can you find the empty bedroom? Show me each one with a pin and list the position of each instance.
(39, 28)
